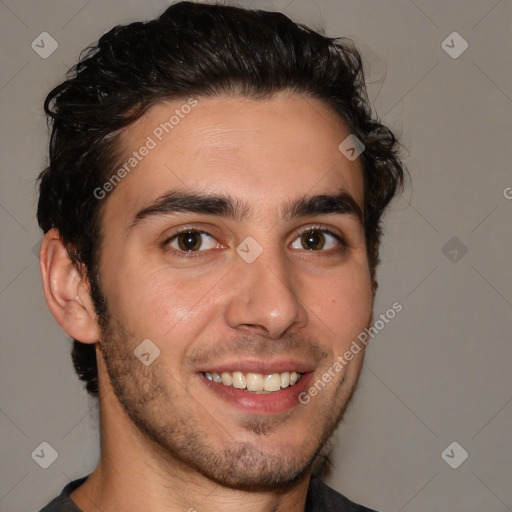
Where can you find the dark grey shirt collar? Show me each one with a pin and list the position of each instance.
(321, 498)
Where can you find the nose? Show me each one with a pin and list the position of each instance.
(264, 298)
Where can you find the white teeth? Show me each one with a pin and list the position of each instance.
(227, 379)
(255, 382)
(273, 382)
(239, 380)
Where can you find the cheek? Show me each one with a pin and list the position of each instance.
(160, 303)
(344, 304)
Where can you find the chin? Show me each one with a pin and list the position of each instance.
(248, 468)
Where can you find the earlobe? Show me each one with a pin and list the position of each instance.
(66, 290)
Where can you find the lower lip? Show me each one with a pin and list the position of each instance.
(260, 403)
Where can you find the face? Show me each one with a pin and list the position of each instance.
(236, 246)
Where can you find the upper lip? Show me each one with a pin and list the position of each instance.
(260, 366)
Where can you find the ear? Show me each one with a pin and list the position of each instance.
(66, 291)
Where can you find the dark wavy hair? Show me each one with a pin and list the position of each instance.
(193, 50)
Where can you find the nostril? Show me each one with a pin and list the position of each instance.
(251, 328)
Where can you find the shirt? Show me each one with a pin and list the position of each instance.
(320, 498)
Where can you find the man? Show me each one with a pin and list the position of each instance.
(212, 216)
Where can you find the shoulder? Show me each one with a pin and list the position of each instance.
(63, 502)
(321, 498)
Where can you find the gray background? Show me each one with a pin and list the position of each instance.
(437, 373)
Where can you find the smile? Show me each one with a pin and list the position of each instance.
(255, 382)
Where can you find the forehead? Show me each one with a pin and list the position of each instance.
(263, 151)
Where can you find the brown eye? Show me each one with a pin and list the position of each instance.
(192, 241)
(189, 241)
(317, 240)
(313, 241)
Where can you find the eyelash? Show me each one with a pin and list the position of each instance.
(185, 254)
(198, 254)
(324, 230)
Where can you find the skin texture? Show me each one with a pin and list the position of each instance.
(168, 442)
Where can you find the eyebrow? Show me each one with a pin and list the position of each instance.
(227, 206)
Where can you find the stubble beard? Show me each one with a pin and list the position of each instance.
(182, 440)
